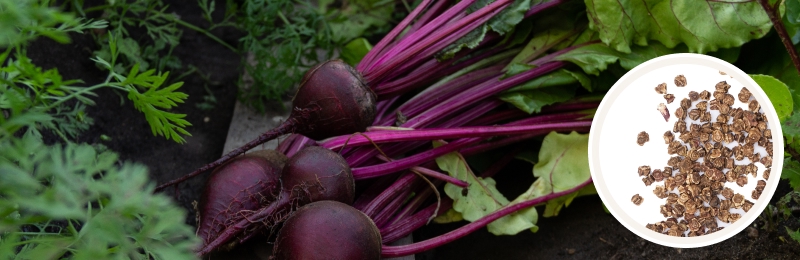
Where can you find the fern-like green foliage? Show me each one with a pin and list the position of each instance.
(74, 201)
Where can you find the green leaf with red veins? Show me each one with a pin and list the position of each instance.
(704, 26)
(563, 164)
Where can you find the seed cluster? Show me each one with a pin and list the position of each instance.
(702, 164)
(642, 138)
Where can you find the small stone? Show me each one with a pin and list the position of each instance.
(752, 232)
(571, 251)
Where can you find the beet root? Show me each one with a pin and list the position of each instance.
(246, 183)
(328, 230)
(316, 173)
(312, 174)
(332, 100)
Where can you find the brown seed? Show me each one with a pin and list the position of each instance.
(722, 118)
(766, 161)
(642, 138)
(672, 198)
(722, 86)
(705, 95)
(658, 175)
(680, 81)
(737, 200)
(755, 194)
(769, 148)
(760, 185)
(710, 223)
(723, 216)
(747, 206)
(714, 202)
(666, 210)
(766, 173)
(705, 117)
(637, 200)
(678, 210)
(734, 217)
(724, 109)
(648, 180)
(741, 180)
(767, 132)
(644, 170)
(753, 106)
(660, 192)
(744, 95)
(686, 104)
(664, 111)
(727, 193)
(725, 205)
(728, 100)
(694, 96)
(661, 88)
(668, 137)
(669, 98)
(702, 105)
(694, 114)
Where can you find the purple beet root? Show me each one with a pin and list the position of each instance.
(332, 100)
(246, 183)
(312, 174)
(328, 230)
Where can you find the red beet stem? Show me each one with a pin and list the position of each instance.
(286, 127)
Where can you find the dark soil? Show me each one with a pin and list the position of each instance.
(581, 231)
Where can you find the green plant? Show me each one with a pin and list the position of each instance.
(286, 37)
(76, 200)
(73, 201)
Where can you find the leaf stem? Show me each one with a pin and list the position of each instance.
(397, 251)
(781, 30)
(795, 155)
(195, 28)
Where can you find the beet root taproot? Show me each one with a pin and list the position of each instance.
(328, 230)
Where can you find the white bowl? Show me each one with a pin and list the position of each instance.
(630, 107)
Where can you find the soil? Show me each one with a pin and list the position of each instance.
(581, 231)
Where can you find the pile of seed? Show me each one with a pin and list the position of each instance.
(702, 164)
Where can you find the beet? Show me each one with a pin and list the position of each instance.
(332, 100)
(328, 230)
(312, 174)
(246, 183)
(316, 173)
